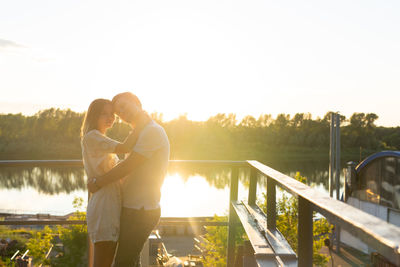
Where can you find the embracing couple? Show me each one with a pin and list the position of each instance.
(125, 205)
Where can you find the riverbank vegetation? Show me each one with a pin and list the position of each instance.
(54, 134)
(51, 246)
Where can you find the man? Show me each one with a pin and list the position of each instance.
(144, 169)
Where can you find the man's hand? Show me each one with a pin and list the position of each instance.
(92, 186)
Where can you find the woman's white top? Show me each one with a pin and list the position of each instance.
(104, 207)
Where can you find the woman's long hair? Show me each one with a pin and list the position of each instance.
(92, 115)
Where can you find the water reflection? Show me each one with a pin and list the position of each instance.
(217, 177)
(189, 189)
(58, 180)
(43, 179)
(316, 173)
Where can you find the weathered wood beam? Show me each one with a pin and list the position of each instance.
(378, 234)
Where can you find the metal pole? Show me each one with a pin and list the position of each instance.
(234, 187)
(252, 187)
(337, 172)
(348, 180)
(331, 154)
(337, 161)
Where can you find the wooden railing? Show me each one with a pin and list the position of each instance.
(378, 234)
(269, 245)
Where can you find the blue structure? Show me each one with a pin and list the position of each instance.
(377, 180)
(373, 186)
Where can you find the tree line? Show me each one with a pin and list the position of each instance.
(54, 134)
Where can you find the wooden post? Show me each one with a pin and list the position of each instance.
(233, 196)
(271, 204)
(252, 187)
(90, 249)
(305, 234)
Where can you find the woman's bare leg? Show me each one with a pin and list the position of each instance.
(104, 253)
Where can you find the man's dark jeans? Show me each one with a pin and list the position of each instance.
(136, 226)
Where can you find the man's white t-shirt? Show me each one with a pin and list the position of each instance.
(142, 187)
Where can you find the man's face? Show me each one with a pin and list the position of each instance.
(126, 109)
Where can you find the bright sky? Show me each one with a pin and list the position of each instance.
(203, 57)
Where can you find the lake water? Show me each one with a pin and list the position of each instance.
(186, 192)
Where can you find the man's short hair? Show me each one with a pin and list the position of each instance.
(129, 96)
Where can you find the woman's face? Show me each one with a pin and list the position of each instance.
(106, 118)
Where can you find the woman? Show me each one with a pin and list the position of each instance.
(99, 156)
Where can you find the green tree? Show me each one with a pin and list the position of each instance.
(54, 134)
(248, 122)
(361, 132)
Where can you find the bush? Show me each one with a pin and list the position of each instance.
(74, 239)
(12, 240)
(39, 245)
(217, 237)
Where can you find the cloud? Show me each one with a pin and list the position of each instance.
(4, 44)
(19, 50)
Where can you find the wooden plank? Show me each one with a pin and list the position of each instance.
(284, 253)
(379, 234)
(279, 252)
(204, 221)
(226, 163)
(78, 162)
(191, 223)
(266, 262)
(40, 163)
(65, 222)
(262, 250)
(41, 222)
(256, 238)
(275, 239)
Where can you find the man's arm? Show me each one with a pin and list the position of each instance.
(121, 170)
(131, 139)
(129, 142)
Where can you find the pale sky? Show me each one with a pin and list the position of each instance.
(203, 57)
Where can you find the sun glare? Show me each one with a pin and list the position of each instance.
(194, 197)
